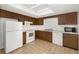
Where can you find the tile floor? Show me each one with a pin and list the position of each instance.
(42, 47)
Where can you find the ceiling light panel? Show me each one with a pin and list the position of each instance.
(39, 7)
(29, 5)
(45, 11)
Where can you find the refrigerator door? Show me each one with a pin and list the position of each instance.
(1, 34)
(13, 26)
(13, 36)
(13, 41)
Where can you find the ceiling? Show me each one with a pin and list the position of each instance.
(40, 10)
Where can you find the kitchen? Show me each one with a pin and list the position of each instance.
(61, 29)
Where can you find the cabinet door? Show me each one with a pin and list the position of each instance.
(37, 34)
(48, 36)
(68, 19)
(70, 40)
(62, 20)
(7, 14)
(40, 22)
(43, 35)
(71, 18)
(24, 37)
(37, 22)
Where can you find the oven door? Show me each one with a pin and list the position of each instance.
(30, 36)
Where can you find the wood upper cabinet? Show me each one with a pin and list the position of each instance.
(43, 35)
(37, 22)
(40, 21)
(7, 14)
(68, 19)
(70, 40)
(19, 17)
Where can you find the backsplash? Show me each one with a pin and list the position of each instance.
(34, 27)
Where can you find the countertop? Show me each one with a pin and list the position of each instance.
(49, 30)
(60, 31)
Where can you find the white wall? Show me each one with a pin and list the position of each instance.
(52, 23)
(33, 27)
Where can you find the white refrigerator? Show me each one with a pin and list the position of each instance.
(12, 35)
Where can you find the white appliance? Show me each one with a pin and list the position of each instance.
(58, 38)
(1, 34)
(12, 35)
(30, 32)
(30, 36)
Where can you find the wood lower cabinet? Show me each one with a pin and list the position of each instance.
(24, 37)
(43, 35)
(70, 40)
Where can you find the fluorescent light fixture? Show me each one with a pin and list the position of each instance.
(45, 11)
(20, 7)
(35, 6)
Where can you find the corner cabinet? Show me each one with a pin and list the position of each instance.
(70, 40)
(68, 19)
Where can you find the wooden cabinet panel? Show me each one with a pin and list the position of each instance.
(48, 36)
(37, 34)
(19, 17)
(68, 19)
(37, 22)
(7, 14)
(43, 35)
(0, 12)
(24, 37)
(40, 21)
(62, 19)
(70, 40)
